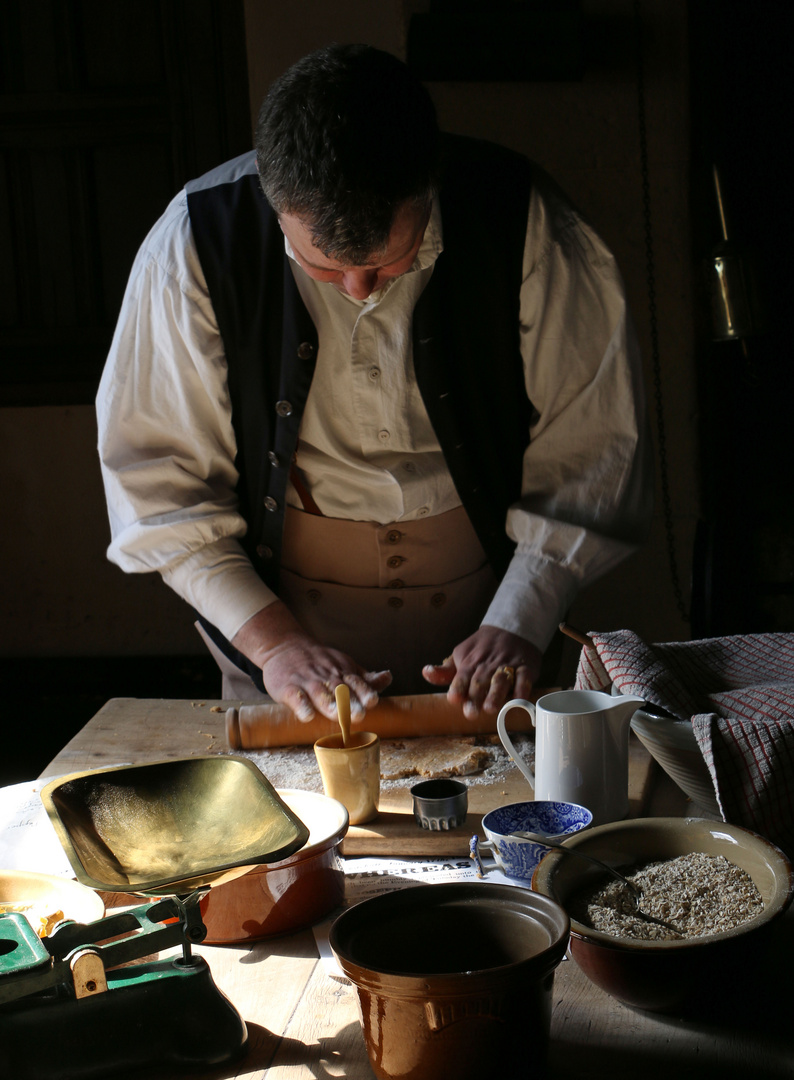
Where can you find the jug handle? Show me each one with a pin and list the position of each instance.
(507, 742)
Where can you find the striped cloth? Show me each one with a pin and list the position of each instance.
(738, 693)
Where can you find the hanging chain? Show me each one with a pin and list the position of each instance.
(664, 468)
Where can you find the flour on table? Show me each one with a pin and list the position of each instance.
(480, 758)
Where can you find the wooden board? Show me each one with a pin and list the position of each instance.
(394, 832)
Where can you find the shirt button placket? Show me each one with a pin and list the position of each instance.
(394, 536)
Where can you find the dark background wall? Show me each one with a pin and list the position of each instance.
(105, 110)
(741, 120)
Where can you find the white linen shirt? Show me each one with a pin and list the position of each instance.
(367, 450)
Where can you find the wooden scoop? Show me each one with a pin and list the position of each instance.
(342, 695)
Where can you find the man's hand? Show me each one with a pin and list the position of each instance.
(300, 672)
(486, 670)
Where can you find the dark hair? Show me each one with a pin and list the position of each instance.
(346, 136)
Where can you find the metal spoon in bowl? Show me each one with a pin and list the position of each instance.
(634, 889)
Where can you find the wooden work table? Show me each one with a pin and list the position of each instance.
(303, 1023)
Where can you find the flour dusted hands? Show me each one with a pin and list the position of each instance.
(486, 670)
(301, 673)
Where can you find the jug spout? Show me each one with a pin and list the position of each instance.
(623, 707)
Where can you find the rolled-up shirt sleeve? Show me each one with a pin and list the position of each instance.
(587, 490)
(166, 442)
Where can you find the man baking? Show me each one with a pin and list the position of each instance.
(380, 424)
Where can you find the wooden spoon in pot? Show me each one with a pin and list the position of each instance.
(342, 695)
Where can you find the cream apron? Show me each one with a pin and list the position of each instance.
(391, 596)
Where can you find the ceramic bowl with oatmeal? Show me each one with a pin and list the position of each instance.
(705, 895)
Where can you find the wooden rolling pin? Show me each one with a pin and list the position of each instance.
(255, 727)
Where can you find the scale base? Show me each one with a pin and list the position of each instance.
(165, 1013)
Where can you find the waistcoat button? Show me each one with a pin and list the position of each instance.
(396, 584)
(305, 350)
(273, 458)
(438, 599)
(394, 537)
(395, 602)
(283, 408)
(395, 561)
(270, 503)
(264, 552)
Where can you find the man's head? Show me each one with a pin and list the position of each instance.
(347, 146)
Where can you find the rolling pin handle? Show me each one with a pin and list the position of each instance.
(233, 736)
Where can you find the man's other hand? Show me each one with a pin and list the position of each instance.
(486, 670)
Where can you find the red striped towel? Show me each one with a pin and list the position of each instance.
(738, 693)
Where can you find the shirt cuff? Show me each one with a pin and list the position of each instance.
(221, 584)
(532, 599)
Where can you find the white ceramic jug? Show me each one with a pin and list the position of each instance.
(581, 749)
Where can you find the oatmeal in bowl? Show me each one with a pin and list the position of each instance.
(712, 892)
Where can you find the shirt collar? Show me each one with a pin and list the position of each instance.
(433, 242)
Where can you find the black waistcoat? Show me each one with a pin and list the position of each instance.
(465, 337)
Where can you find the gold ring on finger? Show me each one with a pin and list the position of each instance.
(505, 669)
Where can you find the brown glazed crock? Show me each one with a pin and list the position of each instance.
(668, 976)
(286, 896)
(453, 979)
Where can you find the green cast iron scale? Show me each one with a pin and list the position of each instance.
(169, 831)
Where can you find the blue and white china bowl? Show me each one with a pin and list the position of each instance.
(514, 855)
